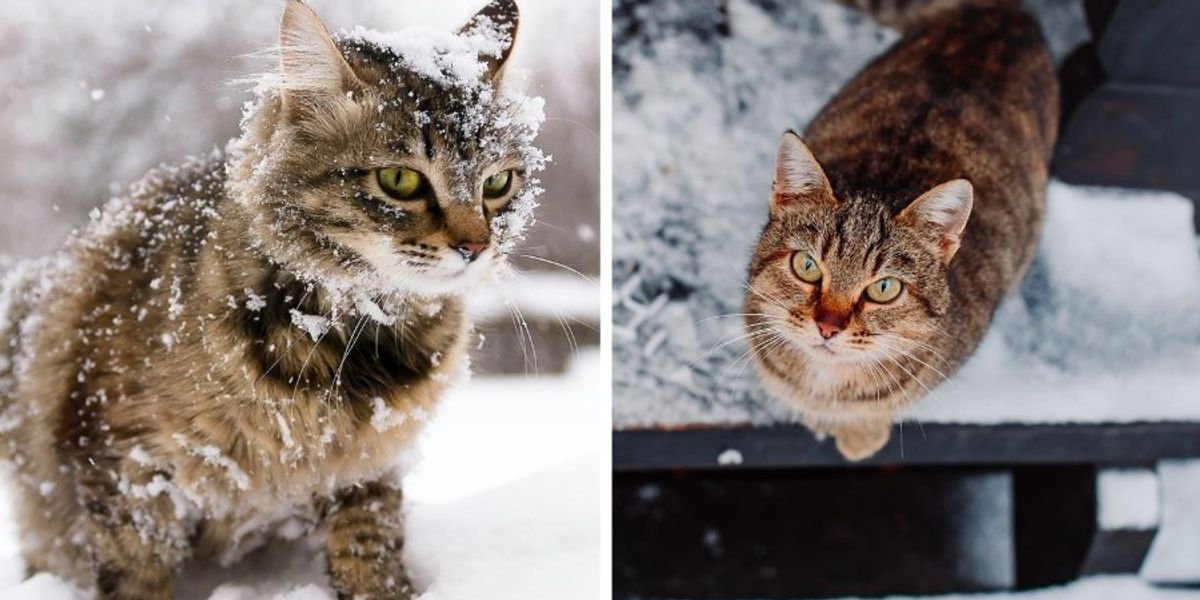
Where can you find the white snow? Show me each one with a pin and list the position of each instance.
(439, 55)
(213, 456)
(1174, 556)
(43, 587)
(254, 302)
(139, 455)
(539, 294)
(982, 517)
(314, 325)
(1127, 499)
(384, 417)
(506, 505)
(729, 457)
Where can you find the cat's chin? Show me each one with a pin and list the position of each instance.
(440, 282)
(435, 285)
(832, 356)
(449, 276)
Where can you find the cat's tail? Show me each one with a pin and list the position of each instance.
(903, 14)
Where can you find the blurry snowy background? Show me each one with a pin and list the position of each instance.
(1105, 328)
(507, 501)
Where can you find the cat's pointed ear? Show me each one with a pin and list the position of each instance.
(309, 60)
(499, 21)
(941, 214)
(798, 175)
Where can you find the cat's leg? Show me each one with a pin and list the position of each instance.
(136, 535)
(366, 537)
(862, 439)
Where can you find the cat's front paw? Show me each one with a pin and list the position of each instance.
(370, 574)
(392, 590)
(862, 440)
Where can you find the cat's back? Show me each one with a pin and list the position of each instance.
(103, 290)
(166, 215)
(969, 92)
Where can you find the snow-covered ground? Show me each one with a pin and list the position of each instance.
(1105, 328)
(505, 503)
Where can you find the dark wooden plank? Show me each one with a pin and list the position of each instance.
(933, 444)
(1054, 522)
(1152, 42)
(790, 534)
(1130, 136)
(1118, 551)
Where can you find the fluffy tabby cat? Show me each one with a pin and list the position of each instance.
(183, 376)
(911, 207)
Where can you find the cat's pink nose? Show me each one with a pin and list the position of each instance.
(830, 325)
(471, 250)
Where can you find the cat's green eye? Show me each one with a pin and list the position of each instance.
(497, 185)
(401, 183)
(805, 267)
(882, 291)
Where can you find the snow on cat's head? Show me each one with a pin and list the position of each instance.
(391, 162)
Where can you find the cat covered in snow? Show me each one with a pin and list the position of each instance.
(254, 337)
(911, 207)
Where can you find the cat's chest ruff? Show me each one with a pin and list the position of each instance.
(285, 439)
(828, 391)
(284, 453)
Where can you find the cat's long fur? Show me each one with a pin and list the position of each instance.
(184, 376)
(968, 93)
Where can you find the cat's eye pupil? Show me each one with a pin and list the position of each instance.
(400, 183)
(884, 290)
(497, 185)
(805, 267)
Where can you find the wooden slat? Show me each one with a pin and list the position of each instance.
(932, 444)
(1132, 136)
(1152, 42)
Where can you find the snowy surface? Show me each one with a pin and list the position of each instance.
(506, 504)
(1106, 328)
(540, 295)
(1174, 556)
(983, 521)
(1127, 499)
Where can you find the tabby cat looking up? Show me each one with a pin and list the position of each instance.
(910, 209)
(183, 376)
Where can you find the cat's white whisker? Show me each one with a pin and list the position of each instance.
(733, 315)
(336, 382)
(933, 352)
(765, 296)
(751, 334)
(553, 263)
(912, 356)
(768, 344)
